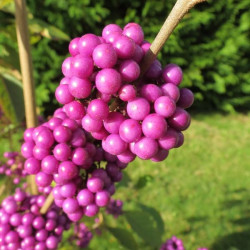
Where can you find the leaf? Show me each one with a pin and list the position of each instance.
(143, 181)
(56, 33)
(124, 237)
(40, 27)
(11, 98)
(155, 214)
(144, 226)
(7, 6)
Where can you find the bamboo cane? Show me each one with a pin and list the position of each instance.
(27, 72)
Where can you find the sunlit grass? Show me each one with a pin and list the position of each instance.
(201, 190)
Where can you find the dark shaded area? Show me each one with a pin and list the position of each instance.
(211, 45)
(234, 241)
(239, 240)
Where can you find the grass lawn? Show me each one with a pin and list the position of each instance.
(201, 190)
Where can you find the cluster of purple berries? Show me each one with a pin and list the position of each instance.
(61, 151)
(22, 226)
(173, 244)
(110, 115)
(13, 167)
(114, 207)
(82, 235)
(149, 113)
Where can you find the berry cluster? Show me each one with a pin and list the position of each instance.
(173, 244)
(61, 151)
(23, 227)
(132, 116)
(114, 208)
(82, 235)
(13, 167)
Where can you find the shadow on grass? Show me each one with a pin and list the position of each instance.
(233, 241)
(236, 240)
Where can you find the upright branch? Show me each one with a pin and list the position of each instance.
(180, 8)
(27, 71)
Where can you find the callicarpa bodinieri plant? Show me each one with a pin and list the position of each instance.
(118, 103)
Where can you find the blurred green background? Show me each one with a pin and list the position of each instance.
(202, 189)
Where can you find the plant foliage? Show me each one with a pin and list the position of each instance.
(211, 43)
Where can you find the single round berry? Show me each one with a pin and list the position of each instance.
(109, 29)
(172, 73)
(138, 108)
(129, 70)
(171, 90)
(73, 46)
(90, 124)
(154, 126)
(113, 121)
(32, 165)
(87, 44)
(63, 94)
(114, 144)
(146, 148)
(180, 120)
(62, 152)
(102, 198)
(74, 110)
(104, 56)
(186, 98)
(85, 197)
(165, 106)
(98, 109)
(124, 46)
(67, 170)
(70, 205)
(108, 81)
(134, 31)
(50, 164)
(151, 92)
(127, 93)
(79, 88)
(130, 130)
(95, 184)
(43, 180)
(169, 139)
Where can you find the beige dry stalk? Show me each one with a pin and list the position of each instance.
(27, 73)
(180, 8)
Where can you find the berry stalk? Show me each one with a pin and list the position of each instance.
(47, 204)
(179, 10)
(27, 72)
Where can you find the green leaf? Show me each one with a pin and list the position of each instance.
(40, 27)
(124, 237)
(143, 181)
(11, 98)
(155, 214)
(7, 6)
(56, 33)
(145, 226)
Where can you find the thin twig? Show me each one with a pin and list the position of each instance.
(47, 203)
